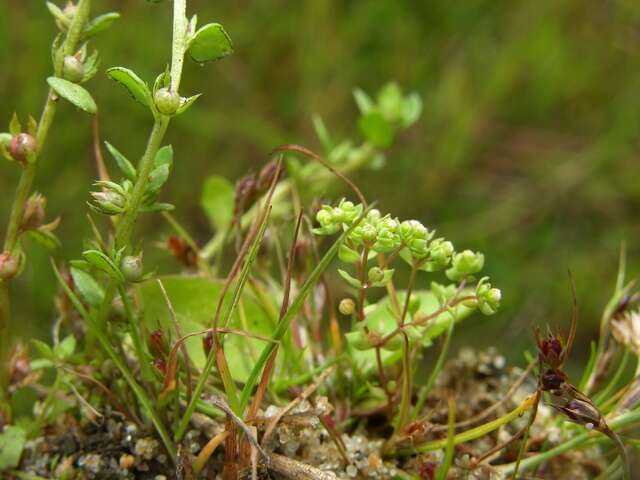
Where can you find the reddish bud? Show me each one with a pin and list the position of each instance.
(161, 365)
(551, 350)
(207, 343)
(266, 176)
(34, 212)
(156, 342)
(9, 266)
(22, 147)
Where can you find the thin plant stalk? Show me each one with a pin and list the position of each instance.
(68, 47)
(424, 392)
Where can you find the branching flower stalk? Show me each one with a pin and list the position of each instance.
(23, 191)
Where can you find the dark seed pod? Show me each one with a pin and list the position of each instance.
(207, 343)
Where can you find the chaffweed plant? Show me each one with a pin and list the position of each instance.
(259, 333)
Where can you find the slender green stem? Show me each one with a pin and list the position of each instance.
(135, 335)
(468, 435)
(407, 376)
(27, 177)
(180, 24)
(129, 218)
(424, 392)
(443, 470)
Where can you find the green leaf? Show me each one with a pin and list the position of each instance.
(376, 129)
(164, 156)
(103, 263)
(411, 110)
(74, 93)
(391, 102)
(15, 127)
(194, 300)
(91, 66)
(43, 349)
(136, 87)
(354, 282)
(58, 14)
(66, 347)
(87, 286)
(124, 164)
(158, 207)
(100, 24)
(185, 103)
(46, 238)
(364, 102)
(162, 81)
(284, 324)
(157, 178)
(12, 442)
(209, 43)
(348, 255)
(217, 201)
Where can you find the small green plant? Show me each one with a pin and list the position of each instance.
(251, 344)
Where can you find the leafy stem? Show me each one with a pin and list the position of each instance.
(27, 177)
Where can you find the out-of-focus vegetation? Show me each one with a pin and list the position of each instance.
(527, 148)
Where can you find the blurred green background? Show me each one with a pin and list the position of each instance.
(527, 148)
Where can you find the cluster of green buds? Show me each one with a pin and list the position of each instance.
(335, 219)
(488, 297)
(465, 264)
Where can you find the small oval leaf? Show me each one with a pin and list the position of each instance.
(124, 164)
(210, 43)
(137, 87)
(99, 24)
(87, 286)
(74, 93)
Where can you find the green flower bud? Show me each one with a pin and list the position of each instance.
(72, 69)
(412, 229)
(488, 298)
(369, 233)
(373, 216)
(108, 202)
(22, 148)
(440, 253)
(465, 263)
(131, 268)
(375, 275)
(387, 237)
(326, 220)
(347, 306)
(350, 211)
(167, 102)
(9, 266)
